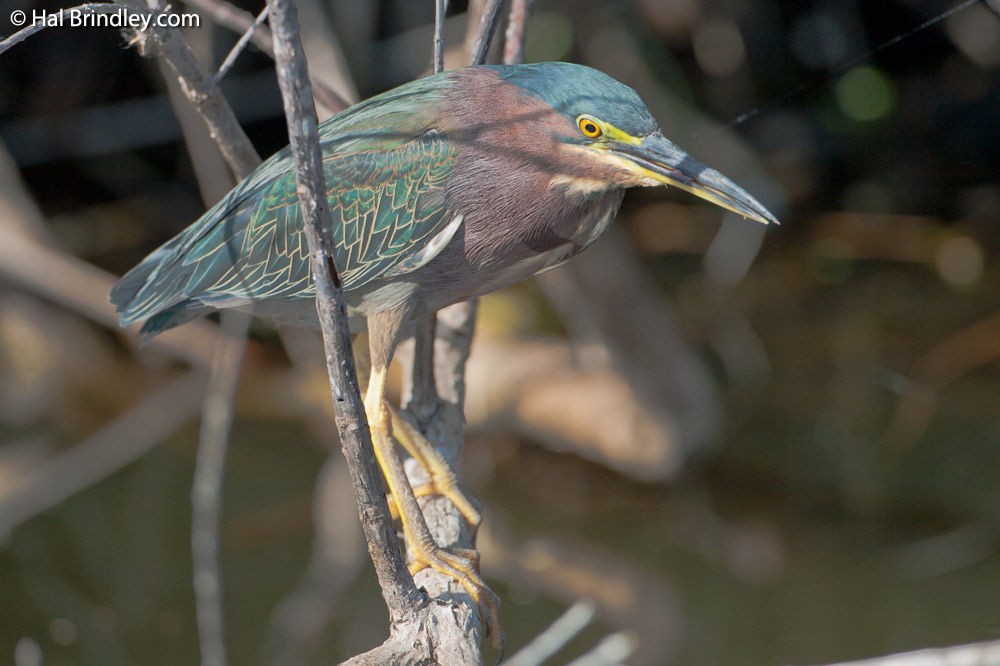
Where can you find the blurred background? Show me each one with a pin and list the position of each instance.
(744, 445)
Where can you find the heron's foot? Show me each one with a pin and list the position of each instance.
(462, 565)
(443, 480)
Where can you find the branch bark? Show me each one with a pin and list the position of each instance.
(238, 20)
(446, 631)
(197, 86)
(401, 596)
(513, 46)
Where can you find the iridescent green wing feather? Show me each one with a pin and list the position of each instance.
(385, 205)
(385, 172)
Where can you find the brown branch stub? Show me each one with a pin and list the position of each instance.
(401, 596)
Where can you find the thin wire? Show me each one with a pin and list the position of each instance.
(851, 62)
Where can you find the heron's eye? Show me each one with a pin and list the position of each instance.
(589, 128)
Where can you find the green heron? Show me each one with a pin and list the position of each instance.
(443, 189)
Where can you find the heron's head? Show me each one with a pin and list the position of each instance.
(610, 137)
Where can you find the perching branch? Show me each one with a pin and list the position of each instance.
(423, 400)
(401, 596)
(420, 631)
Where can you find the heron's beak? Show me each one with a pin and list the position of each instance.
(661, 160)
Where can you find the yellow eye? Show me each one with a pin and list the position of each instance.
(589, 127)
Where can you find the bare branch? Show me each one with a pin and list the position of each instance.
(217, 410)
(440, 9)
(972, 654)
(611, 650)
(513, 45)
(206, 491)
(487, 26)
(556, 636)
(197, 86)
(238, 20)
(400, 594)
(421, 396)
(238, 48)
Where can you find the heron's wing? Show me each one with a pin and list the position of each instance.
(387, 205)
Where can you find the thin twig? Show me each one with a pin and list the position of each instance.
(239, 152)
(971, 654)
(196, 83)
(400, 594)
(206, 491)
(217, 410)
(421, 397)
(240, 45)
(238, 20)
(611, 650)
(487, 26)
(440, 9)
(513, 45)
(556, 636)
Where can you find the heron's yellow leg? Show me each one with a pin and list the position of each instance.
(426, 552)
(443, 479)
(423, 490)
